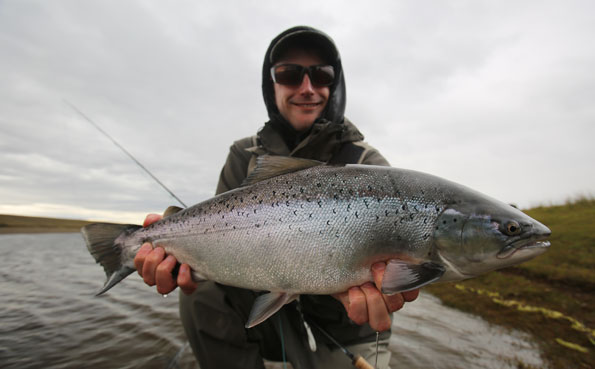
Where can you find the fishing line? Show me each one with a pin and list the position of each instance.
(124, 150)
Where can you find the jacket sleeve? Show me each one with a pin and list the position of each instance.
(371, 156)
(236, 166)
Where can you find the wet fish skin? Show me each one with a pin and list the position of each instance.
(318, 230)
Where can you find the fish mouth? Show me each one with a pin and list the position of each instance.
(534, 246)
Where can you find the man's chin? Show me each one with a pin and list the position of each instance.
(303, 123)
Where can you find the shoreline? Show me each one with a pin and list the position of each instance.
(15, 224)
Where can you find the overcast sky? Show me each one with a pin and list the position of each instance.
(498, 96)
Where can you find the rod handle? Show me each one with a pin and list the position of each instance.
(361, 363)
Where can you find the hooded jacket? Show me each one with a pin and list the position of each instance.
(332, 139)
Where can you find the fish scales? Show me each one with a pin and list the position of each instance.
(326, 222)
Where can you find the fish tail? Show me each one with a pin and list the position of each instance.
(104, 244)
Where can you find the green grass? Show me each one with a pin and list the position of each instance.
(551, 297)
(21, 224)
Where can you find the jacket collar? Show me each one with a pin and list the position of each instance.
(321, 143)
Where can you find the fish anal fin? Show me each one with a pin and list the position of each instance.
(401, 276)
(269, 166)
(267, 305)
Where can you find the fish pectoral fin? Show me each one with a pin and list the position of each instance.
(401, 276)
(267, 305)
(269, 166)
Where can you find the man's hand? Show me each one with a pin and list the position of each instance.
(367, 304)
(155, 267)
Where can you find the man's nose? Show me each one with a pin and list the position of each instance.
(306, 86)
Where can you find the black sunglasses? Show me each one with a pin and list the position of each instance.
(293, 74)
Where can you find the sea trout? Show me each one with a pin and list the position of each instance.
(298, 226)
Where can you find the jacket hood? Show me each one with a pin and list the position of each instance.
(335, 107)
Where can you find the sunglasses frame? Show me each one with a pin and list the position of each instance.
(303, 70)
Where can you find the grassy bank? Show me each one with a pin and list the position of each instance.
(20, 224)
(551, 297)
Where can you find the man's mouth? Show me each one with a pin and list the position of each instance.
(307, 104)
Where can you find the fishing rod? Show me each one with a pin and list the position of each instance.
(357, 360)
(124, 150)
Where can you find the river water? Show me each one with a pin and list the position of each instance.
(49, 318)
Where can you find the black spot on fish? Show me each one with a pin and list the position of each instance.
(319, 203)
(281, 220)
(286, 203)
(254, 211)
(310, 216)
(334, 211)
(386, 213)
(454, 220)
(377, 217)
(411, 216)
(257, 225)
(302, 189)
(356, 215)
(349, 207)
(366, 203)
(295, 212)
(260, 201)
(318, 184)
(274, 193)
(328, 222)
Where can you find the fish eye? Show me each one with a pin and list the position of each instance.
(512, 228)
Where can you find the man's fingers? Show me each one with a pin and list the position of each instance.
(378, 273)
(139, 259)
(394, 302)
(410, 295)
(185, 281)
(358, 309)
(150, 219)
(377, 309)
(163, 277)
(150, 265)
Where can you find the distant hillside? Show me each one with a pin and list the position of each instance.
(21, 224)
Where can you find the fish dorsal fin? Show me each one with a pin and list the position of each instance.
(269, 166)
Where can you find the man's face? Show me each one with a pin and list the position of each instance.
(300, 105)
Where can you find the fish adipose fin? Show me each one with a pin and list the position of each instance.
(267, 305)
(269, 166)
(401, 276)
(101, 242)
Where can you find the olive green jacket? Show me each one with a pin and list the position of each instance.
(327, 142)
(324, 143)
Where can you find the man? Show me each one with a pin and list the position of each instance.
(304, 92)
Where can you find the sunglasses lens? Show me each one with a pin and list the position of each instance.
(288, 74)
(322, 75)
(292, 74)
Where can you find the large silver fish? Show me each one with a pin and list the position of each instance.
(300, 227)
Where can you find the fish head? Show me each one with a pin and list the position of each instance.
(473, 238)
